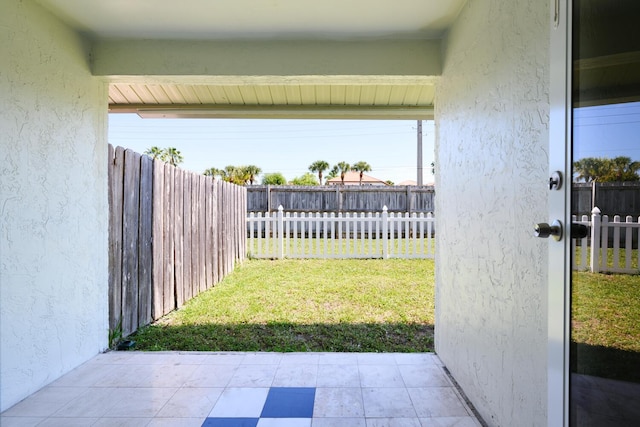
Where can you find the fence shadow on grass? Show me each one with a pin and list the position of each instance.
(288, 337)
(605, 362)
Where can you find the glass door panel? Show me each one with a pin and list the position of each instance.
(605, 286)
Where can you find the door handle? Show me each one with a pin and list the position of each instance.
(579, 231)
(545, 230)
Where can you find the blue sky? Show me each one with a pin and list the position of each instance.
(389, 146)
(607, 131)
(286, 146)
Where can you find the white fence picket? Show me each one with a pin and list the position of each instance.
(345, 235)
(598, 247)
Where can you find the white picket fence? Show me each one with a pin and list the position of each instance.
(603, 257)
(344, 235)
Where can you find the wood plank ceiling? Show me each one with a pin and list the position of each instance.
(132, 97)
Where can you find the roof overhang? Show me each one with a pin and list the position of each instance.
(240, 58)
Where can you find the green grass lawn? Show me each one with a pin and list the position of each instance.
(610, 260)
(606, 324)
(306, 305)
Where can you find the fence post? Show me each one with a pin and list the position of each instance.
(385, 232)
(280, 232)
(595, 240)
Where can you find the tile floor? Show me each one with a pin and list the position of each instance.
(249, 389)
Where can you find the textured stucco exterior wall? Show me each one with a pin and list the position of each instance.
(492, 144)
(53, 202)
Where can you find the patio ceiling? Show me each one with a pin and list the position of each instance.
(336, 58)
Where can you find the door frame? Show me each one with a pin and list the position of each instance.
(559, 265)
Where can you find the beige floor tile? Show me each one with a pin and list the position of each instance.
(122, 422)
(195, 358)
(338, 359)
(299, 359)
(338, 402)
(338, 422)
(140, 402)
(232, 359)
(93, 402)
(87, 375)
(211, 376)
(296, 376)
(154, 358)
(387, 402)
(415, 358)
(437, 402)
(338, 376)
(44, 402)
(112, 357)
(69, 422)
(127, 376)
(191, 402)
(20, 421)
(376, 359)
(424, 376)
(253, 376)
(449, 422)
(393, 422)
(262, 359)
(176, 422)
(169, 376)
(380, 376)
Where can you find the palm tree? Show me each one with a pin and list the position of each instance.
(252, 171)
(332, 173)
(319, 166)
(361, 167)
(343, 168)
(154, 152)
(603, 169)
(232, 174)
(623, 169)
(172, 156)
(213, 172)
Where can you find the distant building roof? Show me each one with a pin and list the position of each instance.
(353, 178)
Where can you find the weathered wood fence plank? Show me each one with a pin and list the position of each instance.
(168, 255)
(130, 240)
(145, 266)
(116, 182)
(157, 249)
(178, 235)
(186, 233)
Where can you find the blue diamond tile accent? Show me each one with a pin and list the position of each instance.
(289, 402)
(230, 422)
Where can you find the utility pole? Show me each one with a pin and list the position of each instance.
(419, 152)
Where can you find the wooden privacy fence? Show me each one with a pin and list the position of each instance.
(340, 198)
(172, 234)
(609, 246)
(342, 235)
(621, 198)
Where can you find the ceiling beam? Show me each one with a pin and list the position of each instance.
(277, 112)
(121, 60)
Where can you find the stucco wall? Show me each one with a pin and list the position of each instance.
(492, 144)
(53, 202)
